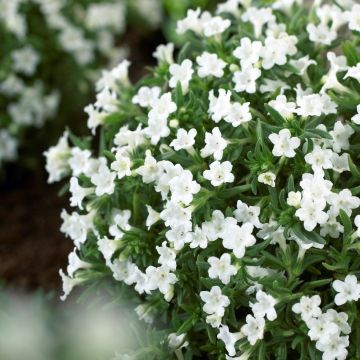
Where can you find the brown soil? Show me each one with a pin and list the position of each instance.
(31, 247)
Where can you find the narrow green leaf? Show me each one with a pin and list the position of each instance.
(307, 236)
(275, 115)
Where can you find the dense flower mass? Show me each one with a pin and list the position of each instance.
(50, 48)
(225, 187)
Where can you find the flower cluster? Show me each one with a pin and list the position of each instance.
(224, 191)
(51, 49)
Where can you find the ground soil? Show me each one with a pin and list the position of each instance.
(32, 249)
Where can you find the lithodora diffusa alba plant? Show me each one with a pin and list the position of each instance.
(225, 187)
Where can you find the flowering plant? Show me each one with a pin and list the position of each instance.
(224, 189)
(51, 51)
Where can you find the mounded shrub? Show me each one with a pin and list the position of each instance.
(221, 190)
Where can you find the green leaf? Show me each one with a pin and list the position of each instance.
(290, 184)
(183, 52)
(346, 221)
(317, 133)
(179, 98)
(275, 115)
(109, 155)
(186, 326)
(353, 168)
(351, 54)
(259, 133)
(307, 236)
(262, 351)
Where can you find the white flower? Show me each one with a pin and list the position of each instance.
(275, 50)
(356, 118)
(272, 85)
(119, 221)
(237, 238)
(183, 187)
(253, 329)
(258, 18)
(319, 158)
(122, 165)
(354, 18)
(160, 278)
(215, 25)
(68, 284)
(315, 187)
(152, 218)
(314, 104)
(245, 79)
(302, 64)
(190, 22)
(111, 79)
(179, 235)
(104, 180)
(245, 213)
(294, 199)
(340, 319)
(321, 34)
(219, 173)
(267, 178)
(175, 215)
(284, 143)
(230, 6)
(77, 226)
(264, 306)
(248, 52)
(107, 248)
(75, 263)
(162, 108)
(210, 65)
(238, 114)
(344, 200)
(353, 72)
(184, 139)
(8, 147)
(347, 290)
(164, 53)
(181, 73)
(25, 60)
(177, 341)
(341, 135)
(150, 170)
(308, 307)
(198, 238)
(321, 328)
(335, 348)
(95, 117)
(229, 339)
(215, 144)
(146, 96)
(106, 100)
(219, 107)
(221, 268)
(78, 193)
(167, 256)
(357, 224)
(311, 213)
(79, 161)
(57, 159)
(215, 301)
(129, 140)
(282, 106)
